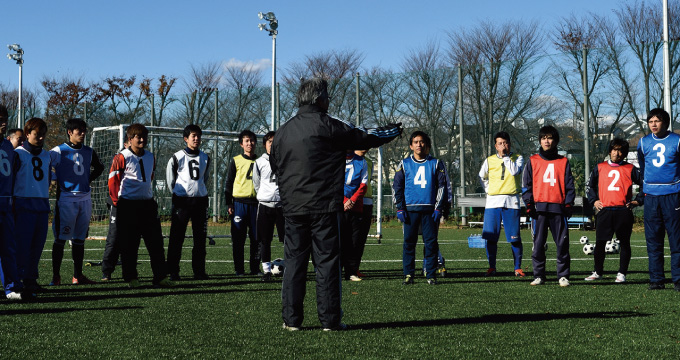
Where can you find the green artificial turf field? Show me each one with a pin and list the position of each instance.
(465, 316)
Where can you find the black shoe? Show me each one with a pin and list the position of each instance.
(432, 281)
(258, 273)
(677, 286)
(408, 280)
(238, 273)
(202, 276)
(106, 277)
(658, 286)
(267, 277)
(175, 277)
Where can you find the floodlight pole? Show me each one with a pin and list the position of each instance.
(18, 56)
(666, 67)
(273, 127)
(272, 29)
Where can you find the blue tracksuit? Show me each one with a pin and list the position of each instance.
(419, 189)
(8, 266)
(660, 170)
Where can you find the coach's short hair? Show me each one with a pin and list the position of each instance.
(192, 128)
(4, 115)
(312, 91)
(503, 135)
(661, 114)
(35, 123)
(268, 136)
(622, 144)
(549, 130)
(246, 133)
(137, 130)
(76, 123)
(422, 134)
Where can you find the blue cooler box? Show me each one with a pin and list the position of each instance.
(476, 242)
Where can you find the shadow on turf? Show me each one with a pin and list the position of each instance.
(94, 293)
(64, 310)
(496, 319)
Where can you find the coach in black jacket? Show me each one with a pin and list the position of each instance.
(308, 158)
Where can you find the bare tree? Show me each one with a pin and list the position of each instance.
(640, 25)
(125, 103)
(572, 35)
(198, 104)
(338, 68)
(162, 90)
(10, 99)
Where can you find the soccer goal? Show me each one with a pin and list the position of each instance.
(221, 146)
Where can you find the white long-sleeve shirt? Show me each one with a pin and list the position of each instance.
(501, 201)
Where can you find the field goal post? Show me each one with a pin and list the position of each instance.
(163, 142)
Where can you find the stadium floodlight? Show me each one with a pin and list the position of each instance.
(272, 29)
(18, 56)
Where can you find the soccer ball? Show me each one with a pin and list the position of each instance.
(583, 240)
(615, 240)
(609, 248)
(616, 247)
(278, 266)
(588, 249)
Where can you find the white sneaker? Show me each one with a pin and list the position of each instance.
(340, 327)
(620, 278)
(592, 277)
(564, 282)
(537, 281)
(290, 328)
(354, 278)
(14, 296)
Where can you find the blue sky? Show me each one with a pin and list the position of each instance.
(95, 39)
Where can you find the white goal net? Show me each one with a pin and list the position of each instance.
(221, 146)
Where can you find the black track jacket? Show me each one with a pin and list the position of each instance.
(308, 158)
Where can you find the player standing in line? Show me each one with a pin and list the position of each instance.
(185, 176)
(31, 201)
(9, 276)
(16, 137)
(239, 193)
(659, 159)
(367, 213)
(269, 210)
(501, 177)
(549, 197)
(611, 195)
(419, 189)
(351, 242)
(130, 179)
(111, 251)
(78, 166)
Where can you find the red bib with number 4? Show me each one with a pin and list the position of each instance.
(615, 184)
(548, 179)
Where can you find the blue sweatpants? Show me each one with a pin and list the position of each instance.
(8, 265)
(411, 238)
(492, 231)
(662, 214)
(244, 224)
(30, 240)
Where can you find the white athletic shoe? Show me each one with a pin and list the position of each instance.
(354, 278)
(564, 282)
(594, 276)
(620, 278)
(290, 328)
(537, 281)
(14, 296)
